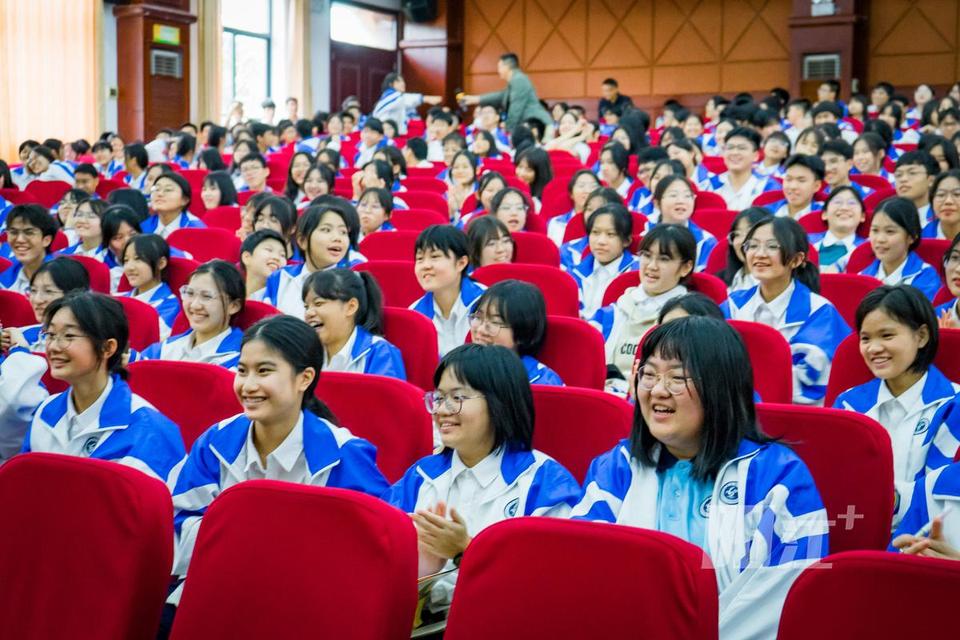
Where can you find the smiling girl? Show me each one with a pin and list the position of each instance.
(674, 198)
(735, 273)
(843, 212)
(51, 282)
(945, 200)
(169, 199)
(581, 185)
(145, 261)
(87, 221)
(609, 231)
(489, 241)
(948, 313)
(261, 254)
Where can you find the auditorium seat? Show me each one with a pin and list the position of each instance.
(225, 217)
(143, 321)
(715, 221)
(15, 310)
(558, 288)
(48, 192)
(574, 350)
(389, 245)
(845, 291)
(207, 244)
(98, 272)
(416, 337)
(710, 286)
(178, 274)
(397, 280)
(535, 248)
(425, 200)
(577, 229)
(416, 219)
(770, 358)
(709, 200)
(431, 185)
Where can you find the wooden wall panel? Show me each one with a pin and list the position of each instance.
(655, 48)
(913, 41)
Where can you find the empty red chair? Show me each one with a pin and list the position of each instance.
(943, 294)
(225, 217)
(388, 412)
(770, 358)
(416, 337)
(812, 223)
(173, 388)
(558, 288)
(851, 460)
(105, 187)
(244, 196)
(424, 172)
(397, 280)
(99, 273)
(389, 245)
(716, 221)
(207, 244)
(535, 248)
(575, 425)
(859, 595)
(96, 537)
(425, 200)
(370, 548)
(47, 192)
(143, 321)
(15, 310)
(845, 291)
(574, 349)
(60, 242)
(416, 219)
(767, 197)
(654, 585)
(433, 185)
(709, 200)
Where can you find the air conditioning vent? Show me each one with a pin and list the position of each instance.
(166, 63)
(821, 67)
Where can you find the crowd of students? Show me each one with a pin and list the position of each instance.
(809, 183)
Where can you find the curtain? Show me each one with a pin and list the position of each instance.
(298, 55)
(50, 74)
(209, 45)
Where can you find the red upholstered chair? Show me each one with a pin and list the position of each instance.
(15, 196)
(388, 412)
(860, 595)
(53, 385)
(535, 248)
(875, 198)
(716, 221)
(389, 245)
(770, 358)
(99, 273)
(516, 183)
(558, 288)
(416, 337)
(95, 537)
(416, 219)
(868, 180)
(47, 192)
(845, 291)
(225, 217)
(369, 558)
(5, 264)
(432, 185)
(143, 321)
(767, 197)
(556, 198)
(397, 281)
(178, 274)
(931, 251)
(424, 172)
(15, 310)
(654, 585)
(425, 200)
(715, 164)
(709, 200)
(850, 458)
(105, 187)
(812, 223)
(717, 260)
(943, 294)
(574, 349)
(575, 425)
(60, 242)
(207, 244)
(244, 196)
(195, 395)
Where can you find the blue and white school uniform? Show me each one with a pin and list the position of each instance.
(571, 252)
(505, 484)
(592, 279)
(33, 335)
(641, 200)
(834, 251)
(4, 210)
(365, 154)
(742, 198)
(926, 215)
(21, 392)
(112, 168)
(451, 331)
(808, 321)
(19, 176)
(185, 220)
(395, 105)
(913, 271)
(762, 523)
(180, 162)
(58, 170)
(775, 172)
(222, 349)
(77, 249)
(367, 353)
(164, 301)
(908, 419)
(706, 242)
(139, 183)
(781, 209)
(742, 279)
(934, 229)
(557, 226)
(14, 278)
(284, 288)
(934, 493)
(539, 373)
(119, 426)
(624, 189)
(883, 173)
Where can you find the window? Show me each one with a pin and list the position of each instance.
(364, 27)
(246, 53)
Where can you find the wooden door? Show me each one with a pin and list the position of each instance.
(358, 71)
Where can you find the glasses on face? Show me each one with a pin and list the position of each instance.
(909, 173)
(661, 259)
(737, 147)
(756, 247)
(44, 292)
(837, 203)
(163, 190)
(943, 195)
(451, 404)
(84, 215)
(679, 195)
(489, 326)
(204, 297)
(29, 233)
(370, 206)
(62, 340)
(512, 208)
(499, 242)
(952, 261)
(674, 384)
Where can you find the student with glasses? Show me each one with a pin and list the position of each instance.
(487, 471)
(843, 212)
(169, 200)
(914, 175)
(51, 282)
(735, 273)
(948, 313)
(945, 200)
(87, 219)
(30, 231)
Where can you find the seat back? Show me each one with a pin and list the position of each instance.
(931, 251)
(717, 260)
(558, 288)
(770, 358)
(767, 197)
(851, 461)
(869, 180)
(99, 273)
(878, 196)
(389, 245)
(47, 192)
(556, 198)
(709, 200)
(15, 309)
(172, 388)
(368, 559)
(432, 185)
(225, 217)
(143, 321)
(388, 412)
(654, 585)
(425, 200)
(861, 594)
(535, 248)
(416, 337)
(207, 244)
(397, 281)
(845, 291)
(715, 221)
(416, 220)
(574, 349)
(95, 537)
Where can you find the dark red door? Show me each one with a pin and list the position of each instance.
(358, 71)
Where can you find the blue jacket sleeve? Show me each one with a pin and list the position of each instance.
(403, 493)
(553, 491)
(385, 359)
(358, 469)
(606, 485)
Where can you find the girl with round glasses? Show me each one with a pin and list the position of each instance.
(843, 212)
(948, 313)
(52, 281)
(945, 201)
(735, 273)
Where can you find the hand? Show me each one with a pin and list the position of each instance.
(948, 321)
(470, 100)
(433, 99)
(439, 536)
(933, 546)
(355, 181)
(13, 337)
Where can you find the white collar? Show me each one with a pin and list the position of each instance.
(163, 230)
(145, 296)
(610, 270)
(784, 211)
(285, 455)
(456, 311)
(342, 358)
(89, 418)
(485, 471)
(209, 347)
(891, 278)
(777, 306)
(829, 239)
(906, 399)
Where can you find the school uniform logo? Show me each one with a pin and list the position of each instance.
(511, 509)
(90, 444)
(704, 509)
(729, 493)
(921, 427)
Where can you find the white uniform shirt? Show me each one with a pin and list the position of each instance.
(452, 330)
(742, 198)
(185, 351)
(893, 278)
(773, 313)
(341, 360)
(899, 415)
(286, 462)
(72, 432)
(595, 285)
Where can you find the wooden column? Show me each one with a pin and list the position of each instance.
(842, 33)
(150, 101)
(431, 53)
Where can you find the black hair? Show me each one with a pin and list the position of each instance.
(384, 197)
(492, 151)
(652, 154)
(813, 163)
(229, 281)
(903, 213)
(498, 374)
(87, 169)
(252, 241)
(511, 60)
(444, 238)
(537, 127)
(694, 304)
(311, 217)
(929, 141)
(114, 216)
(893, 109)
(584, 172)
(881, 128)
(181, 182)
(384, 171)
(951, 173)
(839, 147)
(482, 230)
(827, 107)
(6, 180)
(500, 195)
(618, 154)
(149, 248)
(212, 159)
(186, 143)
(228, 191)
(676, 168)
(472, 159)
(667, 181)
(675, 241)
(344, 285)
(538, 160)
(215, 135)
(456, 138)
(622, 221)
(68, 274)
(138, 153)
(908, 306)
(873, 140)
(259, 129)
(522, 139)
(304, 128)
(373, 124)
(238, 156)
(817, 134)
(46, 152)
(97, 206)
(793, 241)
(133, 199)
(418, 147)
(297, 343)
(715, 359)
(35, 216)
(921, 159)
(609, 195)
(282, 210)
(395, 159)
(326, 175)
(520, 306)
(753, 215)
(27, 144)
(389, 79)
(100, 318)
(54, 145)
(834, 193)
(254, 157)
(291, 188)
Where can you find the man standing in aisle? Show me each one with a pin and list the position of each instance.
(518, 100)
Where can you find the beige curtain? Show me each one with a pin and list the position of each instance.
(298, 55)
(209, 52)
(50, 80)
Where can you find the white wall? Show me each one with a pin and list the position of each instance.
(108, 118)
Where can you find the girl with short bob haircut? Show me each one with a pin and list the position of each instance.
(843, 213)
(119, 224)
(261, 254)
(277, 214)
(491, 183)
(581, 185)
(327, 236)
(145, 261)
(534, 168)
(673, 198)
(898, 342)
(513, 314)
(170, 201)
(374, 207)
(346, 309)
(609, 231)
(87, 225)
(218, 191)
(489, 242)
(948, 313)
(614, 163)
(512, 208)
(696, 465)
(483, 391)
(572, 251)
(211, 298)
(894, 237)
(735, 274)
(461, 182)
(317, 182)
(787, 299)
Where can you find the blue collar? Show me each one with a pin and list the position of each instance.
(470, 291)
(588, 264)
(115, 411)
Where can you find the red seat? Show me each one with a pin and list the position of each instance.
(715, 164)
(416, 337)
(851, 461)
(767, 197)
(943, 295)
(226, 217)
(143, 321)
(59, 243)
(424, 172)
(52, 385)
(370, 548)
(577, 229)
(716, 221)
(859, 595)
(96, 537)
(389, 245)
(15, 196)
(416, 219)
(556, 198)
(207, 244)
(849, 369)
(717, 260)
(253, 312)
(105, 187)
(845, 291)
(654, 585)
(244, 196)
(173, 388)
(575, 425)
(388, 412)
(99, 273)
(872, 181)
(770, 358)
(574, 349)
(5, 264)
(15, 310)
(875, 198)
(558, 288)
(860, 258)
(48, 192)
(709, 200)
(812, 223)
(433, 185)
(397, 281)
(932, 250)
(535, 248)
(710, 286)
(425, 200)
